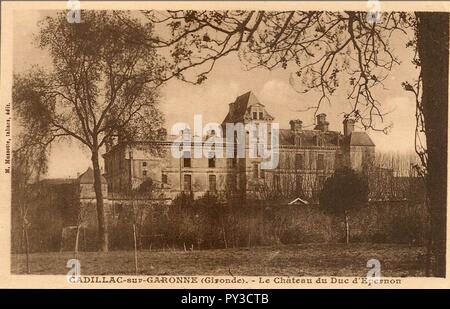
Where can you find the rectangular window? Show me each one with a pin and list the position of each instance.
(212, 183)
(144, 163)
(186, 159)
(212, 162)
(299, 161)
(261, 115)
(276, 182)
(255, 115)
(187, 183)
(144, 173)
(298, 183)
(235, 154)
(320, 161)
(164, 179)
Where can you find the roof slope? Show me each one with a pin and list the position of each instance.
(241, 105)
(88, 177)
(360, 139)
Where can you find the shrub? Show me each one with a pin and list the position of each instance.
(344, 191)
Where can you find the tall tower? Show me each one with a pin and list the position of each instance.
(249, 113)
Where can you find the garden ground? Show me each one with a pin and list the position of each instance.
(293, 260)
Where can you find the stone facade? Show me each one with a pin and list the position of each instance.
(306, 159)
(85, 184)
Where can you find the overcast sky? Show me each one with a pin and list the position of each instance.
(180, 101)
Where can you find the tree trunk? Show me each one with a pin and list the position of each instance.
(27, 249)
(224, 234)
(77, 237)
(432, 45)
(347, 229)
(135, 250)
(102, 227)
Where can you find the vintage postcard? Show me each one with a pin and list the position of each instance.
(221, 144)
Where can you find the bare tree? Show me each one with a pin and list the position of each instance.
(82, 214)
(329, 49)
(29, 163)
(102, 84)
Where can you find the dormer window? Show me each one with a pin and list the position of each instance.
(257, 113)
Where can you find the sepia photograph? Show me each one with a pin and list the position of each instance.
(226, 143)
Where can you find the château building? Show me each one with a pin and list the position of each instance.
(306, 159)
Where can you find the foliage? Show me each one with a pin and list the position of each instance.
(102, 84)
(349, 49)
(343, 191)
(326, 49)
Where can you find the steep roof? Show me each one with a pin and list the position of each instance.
(245, 100)
(360, 139)
(88, 177)
(241, 105)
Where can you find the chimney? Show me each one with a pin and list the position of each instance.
(296, 125)
(296, 129)
(322, 123)
(349, 126)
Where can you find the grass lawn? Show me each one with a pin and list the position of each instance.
(294, 260)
